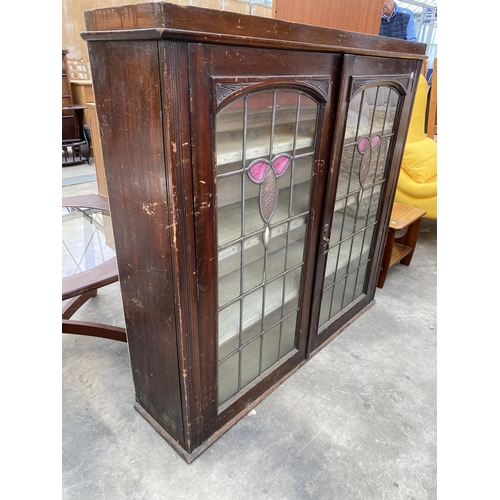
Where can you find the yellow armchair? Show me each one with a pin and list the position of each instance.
(417, 184)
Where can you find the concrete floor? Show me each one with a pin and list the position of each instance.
(358, 421)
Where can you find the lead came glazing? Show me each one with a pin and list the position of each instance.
(265, 145)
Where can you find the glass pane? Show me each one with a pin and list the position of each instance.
(292, 287)
(367, 143)
(253, 265)
(251, 332)
(350, 286)
(301, 191)
(87, 239)
(349, 216)
(250, 356)
(360, 281)
(367, 243)
(228, 377)
(326, 301)
(271, 346)
(229, 199)
(229, 322)
(296, 241)
(265, 143)
(229, 128)
(252, 308)
(285, 121)
(306, 129)
(273, 300)
(338, 298)
(357, 245)
(259, 122)
(331, 265)
(288, 334)
(276, 252)
(229, 272)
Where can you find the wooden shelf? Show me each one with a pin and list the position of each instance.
(398, 253)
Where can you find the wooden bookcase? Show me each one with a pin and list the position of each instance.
(251, 168)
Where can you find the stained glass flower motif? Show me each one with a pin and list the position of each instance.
(266, 173)
(366, 145)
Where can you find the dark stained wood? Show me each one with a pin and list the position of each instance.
(133, 151)
(94, 330)
(163, 20)
(94, 278)
(179, 185)
(74, 303)
(156, 68)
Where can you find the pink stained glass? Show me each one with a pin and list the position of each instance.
(266, 173)
(257, 171)
(280, 164)
(365, 146)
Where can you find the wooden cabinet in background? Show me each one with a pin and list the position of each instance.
(69, 124)
(74, 141)
(251, 167)
(362, 16)
(83, 93)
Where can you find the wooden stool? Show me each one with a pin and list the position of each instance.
(400, 249)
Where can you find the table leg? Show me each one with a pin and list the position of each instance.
(75, 303)
(386, 258)
(410, 240)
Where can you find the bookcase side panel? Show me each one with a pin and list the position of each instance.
(128, 100)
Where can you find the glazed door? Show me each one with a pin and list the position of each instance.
(375, 98)
(261, 128)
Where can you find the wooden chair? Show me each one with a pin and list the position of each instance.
(79, 69)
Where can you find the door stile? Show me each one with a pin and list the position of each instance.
(202, 126)
(177, 132)
(342, 108)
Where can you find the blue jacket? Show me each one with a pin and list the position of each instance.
(401, 24)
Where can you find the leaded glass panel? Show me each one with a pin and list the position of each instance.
(367, 142)
(265, 143)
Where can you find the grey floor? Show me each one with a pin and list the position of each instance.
(358, 421)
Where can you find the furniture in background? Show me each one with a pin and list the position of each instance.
(362, 16)
(73, 21)
(249, 223)
(401, 238)
(74, 141)
(88, 261)
(78, 69)
(417, 184)
(431, 126)
(83, 93)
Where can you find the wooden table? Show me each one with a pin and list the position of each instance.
(80, 287)
(400, 249)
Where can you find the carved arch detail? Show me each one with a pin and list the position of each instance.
(229, 88)
(400, 82)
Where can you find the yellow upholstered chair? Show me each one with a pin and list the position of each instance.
(417, 184)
